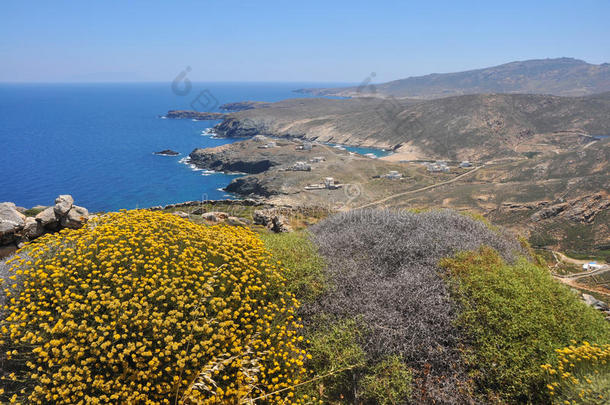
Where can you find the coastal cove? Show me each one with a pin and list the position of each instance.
(97, 142)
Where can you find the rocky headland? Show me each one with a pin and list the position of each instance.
(194, 115)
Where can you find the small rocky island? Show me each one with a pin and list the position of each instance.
(167, 152)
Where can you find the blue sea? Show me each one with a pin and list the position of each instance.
(96, 141)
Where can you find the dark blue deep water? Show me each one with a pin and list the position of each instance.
(96, 141)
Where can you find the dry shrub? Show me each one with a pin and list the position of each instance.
(383, 268)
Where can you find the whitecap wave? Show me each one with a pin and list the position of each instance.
(187, 161)
(208, 132)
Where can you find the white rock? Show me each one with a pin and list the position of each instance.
(63, 203)
(47, 217)
(11, 220)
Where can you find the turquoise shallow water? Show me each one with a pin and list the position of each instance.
(364, 151)
(96, 141)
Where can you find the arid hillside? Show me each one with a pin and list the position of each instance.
(473, 127)
(559, 76)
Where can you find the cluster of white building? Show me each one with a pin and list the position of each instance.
(438, 166)
(442, 167)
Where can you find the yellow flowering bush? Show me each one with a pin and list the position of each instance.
(147, 307)
(581, 375)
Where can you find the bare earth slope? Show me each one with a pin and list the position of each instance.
(559, 76)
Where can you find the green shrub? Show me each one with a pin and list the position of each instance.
(337, 356)
(389, 383)
(299, 257)
(514, 317)
(32, 212)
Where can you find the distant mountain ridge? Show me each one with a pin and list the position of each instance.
(558, 76)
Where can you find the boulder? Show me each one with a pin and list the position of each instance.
(209, 216)
(180, 214)
(63, 203)
(272, 219)
(10, 216)
(220, 215)
(214, 216)
(76, 217)
(594, 302)
(48, 218)
(32, 228)
(235, 221)
(280, 224)
(11, 221)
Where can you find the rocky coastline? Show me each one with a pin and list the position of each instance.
(252, 156)
(194, 115)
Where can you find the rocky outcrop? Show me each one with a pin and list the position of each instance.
(194, 115)
(273, 219)
(16, 228)
(63, 204)
(247, 156)
(242, 128)
(250, 186)
(597, 304)
(582, 210)
(11, 221)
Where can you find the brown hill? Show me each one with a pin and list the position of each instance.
(474, 127)
(559, 76)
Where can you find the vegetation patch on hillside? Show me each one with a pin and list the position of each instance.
(382, 271)
(515, 316)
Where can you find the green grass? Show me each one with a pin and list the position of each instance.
(515, 316)
(338, 357)
(600, 255)
(32, 212)
(298, 255)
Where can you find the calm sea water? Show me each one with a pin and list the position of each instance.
(96, 141)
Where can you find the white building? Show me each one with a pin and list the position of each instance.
(591, 266)
(393, 174)
(438, 166)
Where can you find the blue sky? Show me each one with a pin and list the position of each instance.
(335, 41)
